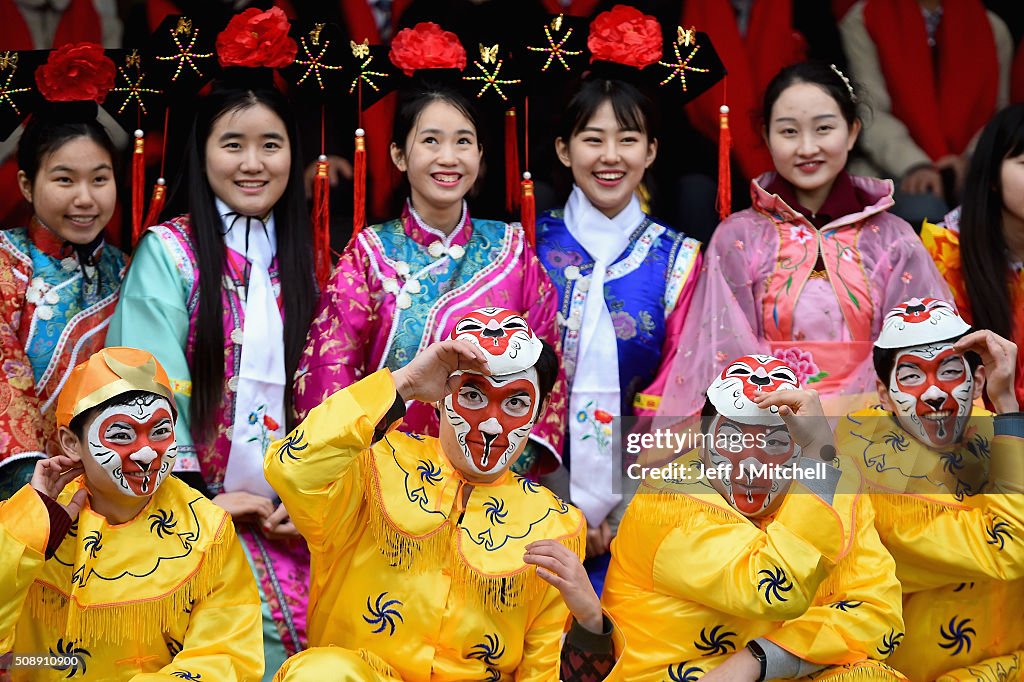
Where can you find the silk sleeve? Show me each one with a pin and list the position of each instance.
(336, 350)
(541, 299)
(24, 531)
(770, 574)
(21, 417)
(224, 640)
(646, 402)
(316, 468)
(151, 314)
(864, 605)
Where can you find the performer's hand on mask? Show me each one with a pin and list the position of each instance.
(804, 416)
(560, 567)
(53, 474)
(999, 357)
(426, 377)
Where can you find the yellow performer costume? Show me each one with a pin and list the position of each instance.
(954, 522)
(692, 580)
(410, 581)
(167, 595)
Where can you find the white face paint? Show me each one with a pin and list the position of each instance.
(492, 416)
(931, 388)
(134, 444)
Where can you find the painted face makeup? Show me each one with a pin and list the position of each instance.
(931, 389)
(733, 391)
(751, 488)
(492, 416)
(134, 444)
(504, 335)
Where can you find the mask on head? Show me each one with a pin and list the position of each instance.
(744, 437)
(134, 443)
(493, 415)
(931, 388)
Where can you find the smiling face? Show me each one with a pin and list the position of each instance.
(809, 141)
(744, 448)
(74, 192)
(131, 448)
(248, 159)
(930, 392)
(441, 158)
(607, 161)
(487, 420)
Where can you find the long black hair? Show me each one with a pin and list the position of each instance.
(982, 242)
(817, 73)
(633, 108)
(43, 136)
(294, 252)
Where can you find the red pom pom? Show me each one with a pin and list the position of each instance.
(75, 73)
(625, 35)
(256, 38)
(427, 46)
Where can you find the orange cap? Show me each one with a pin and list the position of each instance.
(110, 373)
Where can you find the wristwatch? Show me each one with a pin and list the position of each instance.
(758, 653)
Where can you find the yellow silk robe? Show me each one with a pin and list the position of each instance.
(419, 587)
(692, 581)
(165, 596)
(959, 551)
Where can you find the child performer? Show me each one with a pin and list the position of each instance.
(402, 285)
(224, 295)
(112, 569)
(808, 272)
(58, 277)
(757, 559)
(423, 548)
(948, 485)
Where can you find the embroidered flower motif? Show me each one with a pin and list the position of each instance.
(802, 362)
(270, 423)
(847, 255)
(253, 417)
(624, 324)
(602, 416)
(572, 273)
(906, 278)
(36, 289)
(800, 233)
(721, 357)
(738, 244)
(600, 432)
(581, 416)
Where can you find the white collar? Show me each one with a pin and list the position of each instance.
(604, 238)
(235, 239)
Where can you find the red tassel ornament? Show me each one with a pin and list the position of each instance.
(528, 211)
(359, 184)
(138, 186)
(511, 162)
(723, 201)
(322, 222)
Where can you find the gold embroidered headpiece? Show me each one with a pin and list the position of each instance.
(108, 374)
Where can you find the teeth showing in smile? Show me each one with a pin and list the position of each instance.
(610, 175)
(445, 177)
(939, 416)
(250, 183)
(81, 219)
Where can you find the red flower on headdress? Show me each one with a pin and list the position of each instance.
(75, 73)
(625, 35)
(256, 38)
(427, 46)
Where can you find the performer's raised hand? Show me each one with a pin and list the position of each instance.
(804, 416)
(999, 357)
(51, 475)
(426, 377)
(559, 566)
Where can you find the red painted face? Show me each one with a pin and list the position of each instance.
(504, 335)
(135, 444)
(746, 448)
(492, 416)
(932, 388)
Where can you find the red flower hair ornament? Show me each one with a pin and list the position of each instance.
(625, 35)
(427, 46)
(76, 72)
(256, 38)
